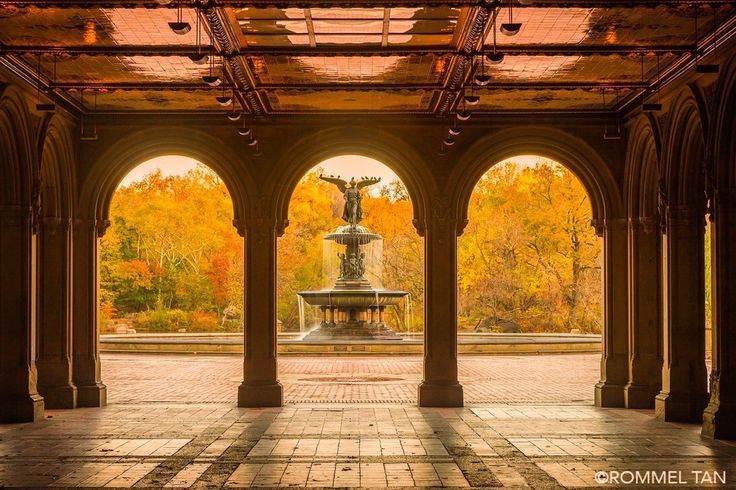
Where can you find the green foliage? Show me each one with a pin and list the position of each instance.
(172, 321)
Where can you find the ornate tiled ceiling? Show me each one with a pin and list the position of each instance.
(388, 57)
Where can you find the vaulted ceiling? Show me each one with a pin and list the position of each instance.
(382, 56)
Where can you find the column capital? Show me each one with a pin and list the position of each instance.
(442, 214)
(54, 224)
(646, 224)
(684, 216)
(602, 226)
(96, 226)
(12, 215)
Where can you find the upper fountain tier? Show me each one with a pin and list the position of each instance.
(352, 234)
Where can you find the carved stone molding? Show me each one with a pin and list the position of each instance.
(684, 217)
(54, 225)
(646, 224)
(15, 216)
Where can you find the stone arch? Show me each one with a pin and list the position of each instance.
(641, 174)
(724, 143)
(17, 168)
(57, 170)
(109, 168)
(683, 163)
(575, 154)
(379, 145)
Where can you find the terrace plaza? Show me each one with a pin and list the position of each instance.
(637, 98)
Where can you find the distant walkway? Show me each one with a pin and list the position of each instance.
(549, 379)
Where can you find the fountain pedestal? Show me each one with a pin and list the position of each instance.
(352, 309)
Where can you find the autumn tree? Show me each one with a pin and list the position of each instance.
(529, 254)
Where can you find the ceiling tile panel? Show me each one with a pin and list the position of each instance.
(349, 101)
(92, 27)
(348, 69)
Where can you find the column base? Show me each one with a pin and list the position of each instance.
(609, 395)
(28, 408)
(92, 395)
(680, 407)
(639, 396)
(252, 395)
(719, 421)
(62, 396)
(440, 395)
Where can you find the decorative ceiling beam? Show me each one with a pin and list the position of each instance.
(507, 85)
(357, 3)
(471, 42)
(227, 41)
(347, 50)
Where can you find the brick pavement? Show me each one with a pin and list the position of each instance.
(217, 445)
(558, 379)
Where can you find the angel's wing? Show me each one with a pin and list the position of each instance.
(365, 182)
(341, 184)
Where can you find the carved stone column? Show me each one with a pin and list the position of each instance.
(609, 391)
(440, 386)
(19, 398)
(645, 332)
(85, 334)
(719, 418)
(684, 388)
(55, 314)
(260, 387)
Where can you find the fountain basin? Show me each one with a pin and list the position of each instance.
(351, 298)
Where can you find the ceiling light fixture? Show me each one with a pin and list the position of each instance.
(510, 28)
(224, 100)
(180, 27)
(495, 57)
(243, 131)
(481, 78)
(651, 106)
(472, 99)
(199, 58)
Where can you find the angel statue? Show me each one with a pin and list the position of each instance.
(352, 212)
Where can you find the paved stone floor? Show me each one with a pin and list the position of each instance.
(157, 443)
(559, 379)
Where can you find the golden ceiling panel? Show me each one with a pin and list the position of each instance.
(348, 69)
(350, 26)
(92, 27)
(153, 100)
(544, 100)
(563, 69)
(604, 26)
(347, 101)
(122, 69)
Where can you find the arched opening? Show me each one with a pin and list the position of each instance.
(171, 282)
(350, 288)
(529, 286)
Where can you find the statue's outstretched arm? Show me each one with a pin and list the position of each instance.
(341, 184)
(366, 182)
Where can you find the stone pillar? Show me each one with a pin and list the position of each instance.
(260, 387)
(85, 335)
(19, 398)
(719, 418)
(609, 391)
(440, 386)
(645, 332)
(55, 314)
(684, 387)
